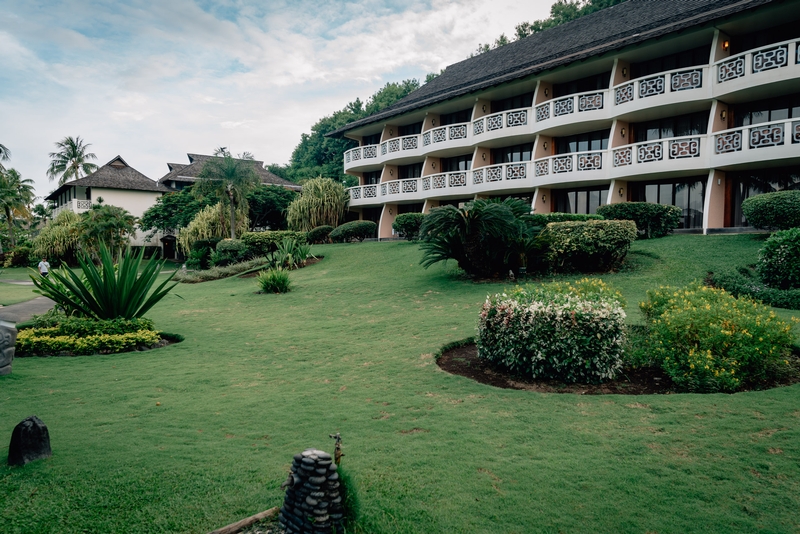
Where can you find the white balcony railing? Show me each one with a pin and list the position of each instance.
(669, 81)
(577, 162)
(577, 103)
(758, 60)
(74, 205)
(499, 173)
(498, 121)
(757, 136)
(659, 150)
(451, 132)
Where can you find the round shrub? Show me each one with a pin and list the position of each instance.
(779, 260)
(354, 231)
(407, 225)
(262, 243)
(20, 257)
(228, 251)
(569, 332)
(543, 219)
(706, 340)
(589, 246)
(779, 210)
(652, 220)
(319, 234)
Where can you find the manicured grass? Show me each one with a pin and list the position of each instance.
(261, 377)
(12, 293)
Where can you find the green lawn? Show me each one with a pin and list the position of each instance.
(262, 377)
(12, 293)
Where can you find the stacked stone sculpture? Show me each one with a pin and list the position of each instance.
(8, 336)
(313, 502)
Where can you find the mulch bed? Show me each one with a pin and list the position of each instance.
(464, 361)
(310, 261)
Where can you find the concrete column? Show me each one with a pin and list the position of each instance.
(613, 192)
(388, 216)
(542, 200)
(714, 204)
(429, 205)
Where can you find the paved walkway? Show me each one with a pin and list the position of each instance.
(17, 282)
(23, 311)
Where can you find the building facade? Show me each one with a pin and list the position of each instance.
(694, 103)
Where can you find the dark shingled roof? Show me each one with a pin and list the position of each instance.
(613, 28)
(189, 173)
(116, 174)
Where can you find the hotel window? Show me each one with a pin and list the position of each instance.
(514, 102)
(582, 142)
(409, 171)
(371, 214)
(458, 163)
(373, 139)
(372, 177)
(585, 201)
(687, 194)
(597, 82)
(457, 117)
(745, 184)
(409, 129)
(774, 109)
(410, 208)
(511, 154)
(691, 124)
(679, 60)
(742, 43)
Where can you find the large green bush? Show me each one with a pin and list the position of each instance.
(354, 231)
(262, 243)
(589, 246)
(652, 220)
(570, 332)
(779, 260)
(779, 210)
(22, 256)
(543, 219)
(706, 340)
(228, 251)
(319, 235)
(743, 282)
(407, 225)
(200, 253)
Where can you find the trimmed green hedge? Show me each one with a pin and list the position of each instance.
(779, 260)
(779, 210)
(228, 251)
(589, 246)
(407, 225)
(354, 231)
(47, 342)
(543, 219)
(262, 243)
(652, 220)
(319, 235)
(83, 326)
(742, 283)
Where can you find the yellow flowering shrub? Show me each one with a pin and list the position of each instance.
(706, 340)
(41, 342)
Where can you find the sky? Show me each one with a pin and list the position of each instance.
(153, 80)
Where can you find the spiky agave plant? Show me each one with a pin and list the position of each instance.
(106, 293)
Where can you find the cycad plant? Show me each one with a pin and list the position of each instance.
(107, 292)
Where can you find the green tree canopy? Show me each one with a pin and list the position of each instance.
(70, 162)
(105, 225)
(173, 210)
(228, 180)
(16, 194)
(268, 205)
(322, 203)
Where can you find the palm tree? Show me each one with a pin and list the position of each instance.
(70, 162)
(15, 196)
(105, 225)
(230, 180)
(41, 214)
(5, 155)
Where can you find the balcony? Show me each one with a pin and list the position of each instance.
(499, 124)
(760, 142)
(669, 87)
(665, 155)
(774, 63)
(580, 107)
(577, 167)
(74, 205)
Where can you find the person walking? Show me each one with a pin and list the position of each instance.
(44, 268)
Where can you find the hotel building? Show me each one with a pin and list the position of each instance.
(694, 103)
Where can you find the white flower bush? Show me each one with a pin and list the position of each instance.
(570, 332)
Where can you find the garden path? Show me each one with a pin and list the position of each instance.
(23, 311)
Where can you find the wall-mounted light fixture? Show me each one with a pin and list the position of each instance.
(546, 91)
(544, 145)
(723, 115)
(390, 211)
(621, 191)
(484, 108)
(544, 198)
(391, 132)
(726, 44)
(433, 122)
(433, 164)
(622, 132)
(624, 72)
(483, 155)
(719, 181)
(391, 172)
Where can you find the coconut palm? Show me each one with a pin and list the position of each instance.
(230, 180)
(41, 214)
(5, 155)
(16, 194)
(105, 225)
(71, 160)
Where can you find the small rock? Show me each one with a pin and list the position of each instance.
(30, 441)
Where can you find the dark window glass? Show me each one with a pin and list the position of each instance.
(514, 102)
(745, 184)
(585, 200)
(457, 117)
(691, 124)
(410, 129)
(409, 208)
(372, 177)
(458, 163)
(409, 171)
(590, 83)
(774, 109)
(373, 139)
(371, 214)
(761, 38)
(687, 194)
(511, 154)
(582, 142)
(680, 60)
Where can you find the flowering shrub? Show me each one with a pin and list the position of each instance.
(47, 341)
(779, 260)
(571, 332)
(706, 340)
